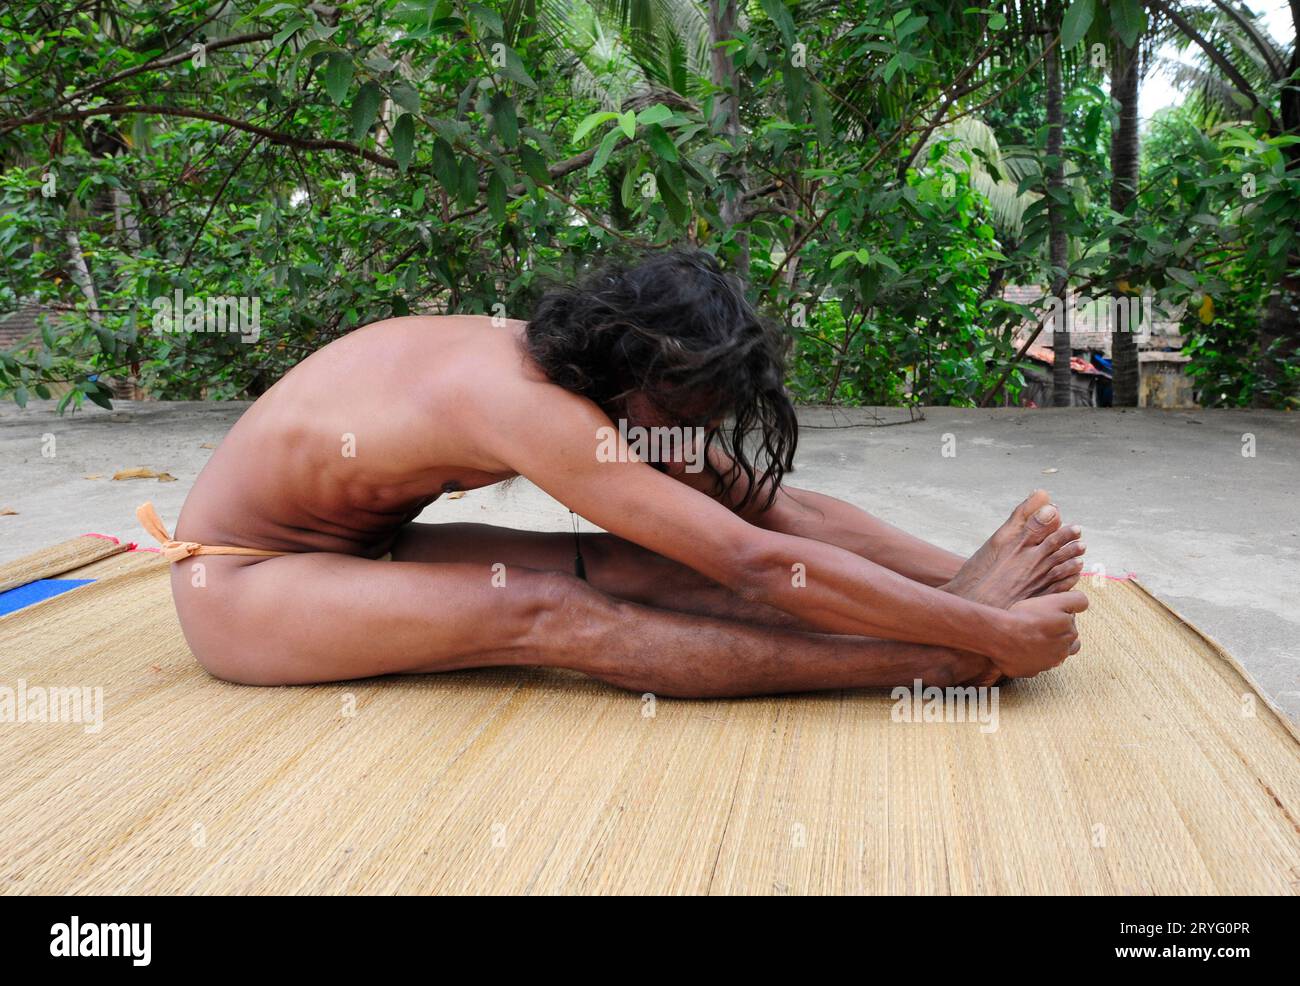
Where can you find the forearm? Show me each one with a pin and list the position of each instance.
(803, 513)
(837, 591)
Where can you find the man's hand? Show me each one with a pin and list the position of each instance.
(966, 668)
(1042, 634)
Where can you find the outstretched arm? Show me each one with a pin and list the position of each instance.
(804, 513)
(551, 437)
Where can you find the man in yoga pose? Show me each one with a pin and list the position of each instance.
(712, 582)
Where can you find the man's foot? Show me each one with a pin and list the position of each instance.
(1029, 555)
(969, 669)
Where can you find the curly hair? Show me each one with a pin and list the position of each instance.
(676, 329)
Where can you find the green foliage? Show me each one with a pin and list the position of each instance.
(907, 325)
(1220, 220)
(339, 165)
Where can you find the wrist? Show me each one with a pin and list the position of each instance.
(999, 630)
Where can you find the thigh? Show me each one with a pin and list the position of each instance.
(613, 565)
(320, 616)
(616, 567)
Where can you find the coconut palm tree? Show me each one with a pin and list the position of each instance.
(1126, 76)
(1057, 239)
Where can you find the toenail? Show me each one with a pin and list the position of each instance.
(1076, 530)
(1045, 513)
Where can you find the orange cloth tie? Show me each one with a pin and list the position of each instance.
(174, 550)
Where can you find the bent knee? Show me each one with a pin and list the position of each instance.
(240, 666)
(224, 653)
(557, 606)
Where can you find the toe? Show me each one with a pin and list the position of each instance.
(1069, 550)
(1042, 523)
(1071, 569)
(1029, 505)
(1017, 526)
(1064, 585)
(1060, 538)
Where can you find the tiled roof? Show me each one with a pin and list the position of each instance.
(18, 325)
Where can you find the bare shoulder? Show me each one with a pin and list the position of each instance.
(440, 325)
(513, 402)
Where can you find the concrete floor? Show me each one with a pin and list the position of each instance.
(1167, 495)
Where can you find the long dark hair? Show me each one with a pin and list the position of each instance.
(674, 327)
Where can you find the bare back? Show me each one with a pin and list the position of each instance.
(358, 438)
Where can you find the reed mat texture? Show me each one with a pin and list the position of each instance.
(49, 562)
(1147, 764)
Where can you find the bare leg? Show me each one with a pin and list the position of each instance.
(323, 617)
(614, 566)
(1023, 558)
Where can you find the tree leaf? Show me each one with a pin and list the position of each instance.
(1075, 23)
(289, 30)
(1129, 18)
(496, 197)
(591, 123)
(514, 68)
(468, 182)
(489, 21)
(659, 141)
(364, 110)
(338, 76)
(604, 151)
(98, 393)
(404, 140)
(657, 113)
(821, 114)
(445, 168)
(504, 120)
(674, 198)
(405, 97)
(776, 10)
(534, 164)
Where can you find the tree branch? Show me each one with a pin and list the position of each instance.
(169, 60)
(1217, 57)
(275, 137)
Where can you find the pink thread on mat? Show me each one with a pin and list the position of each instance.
(1126, 577)
(130, 545)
